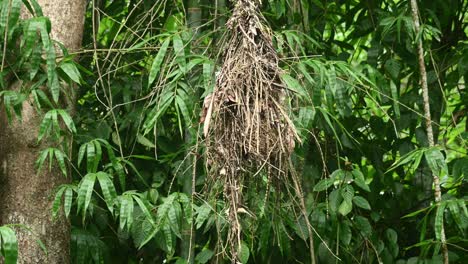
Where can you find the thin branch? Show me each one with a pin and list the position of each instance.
(427, 115)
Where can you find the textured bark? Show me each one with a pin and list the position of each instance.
(25, 196)
(67, 18)
(427, 115)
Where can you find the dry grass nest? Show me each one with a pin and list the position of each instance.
(247, 123)
(247, 127)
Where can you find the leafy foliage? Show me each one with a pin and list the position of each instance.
(8, 245)
(364, 162)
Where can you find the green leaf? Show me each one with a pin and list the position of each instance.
(37, 8)
(395, 99)
(156, 66)
(108, 189)
(300, 227)
(68, 201)
(8, 244)
(413, 156)
(208, 70)
(179, 52)
(144, 141)
(359, 180)
(52, 77)
(393, 67)
(115, 162)
(439, 220)
(244, 253)
(392, 236)
(182, 106)
(345, 208)
(40, 97)
(294, 85)
(204, 256)
(363, 225)
(40, 161)
(174, 217)
(12, 99)
(91, 157)
(67, 191)
(46, 124)
(98, 155)
(57, 201)
(181, 261)
(165, 206)
(149, 236)
(85, 192)
(330, 88)
(345, 233)
(302, 68)
(348, 193)
(166, 229)
(164, 102)
(136, 171)
(51, 157)
(194, 62)
(456, 214)
(28, 41)
(361, 202)
(203, 212)
(72, 71)
(51, 153)
(87, 247)
(335, 200)
(67, 120)
(144, 208)
(60, 156)
(342, 97)
(436, 161)
(81, 153)
(126, 211)
(10, 12)
(323, 185)
(415, 213)
(462, 205)
(187, 207)
(35, 62)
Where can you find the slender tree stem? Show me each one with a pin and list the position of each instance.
(427, 116)
(220, 13)
(188, 236)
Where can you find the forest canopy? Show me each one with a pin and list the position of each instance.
(241, 131)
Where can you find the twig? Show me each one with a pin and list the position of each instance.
(427, 115)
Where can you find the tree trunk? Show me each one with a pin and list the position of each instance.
(25, 196)
(298, 9)
(194, 15)
(221, 10)
(427, 115)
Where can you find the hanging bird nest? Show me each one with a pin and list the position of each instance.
(247, 127)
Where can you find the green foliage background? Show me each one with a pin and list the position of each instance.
(365, 164)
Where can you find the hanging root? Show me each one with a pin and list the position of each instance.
(247, 128)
